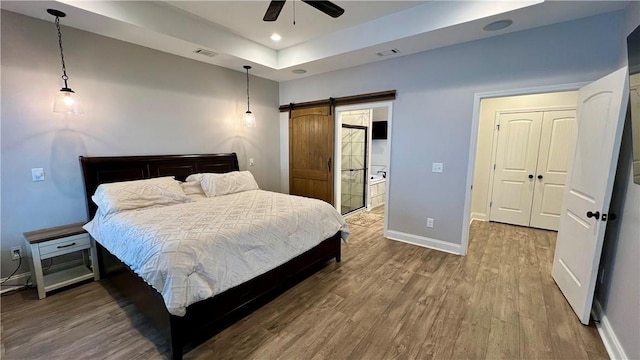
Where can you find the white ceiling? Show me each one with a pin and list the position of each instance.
(317, 43)
(244, 18)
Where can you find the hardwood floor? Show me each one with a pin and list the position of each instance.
(386, 300)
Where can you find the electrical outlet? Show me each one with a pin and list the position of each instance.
(251, 162)
(16, 253)
(429, 222)
(437, 167)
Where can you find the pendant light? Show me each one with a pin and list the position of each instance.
(248, 119)
(65, 101)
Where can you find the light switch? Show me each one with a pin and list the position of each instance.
(37, 174)
(436, 167)
(251, 163)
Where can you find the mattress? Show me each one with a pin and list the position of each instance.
(192, 251)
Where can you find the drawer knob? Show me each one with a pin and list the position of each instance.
(65, 246)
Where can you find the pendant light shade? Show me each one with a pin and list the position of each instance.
(248, 119)
(66, 100)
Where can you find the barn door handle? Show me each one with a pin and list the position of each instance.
(329, 164)
(593, 214)
(539, 176)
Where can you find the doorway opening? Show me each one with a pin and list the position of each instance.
(353, 170)
(362, 155)
(524, 146)
(490, 110)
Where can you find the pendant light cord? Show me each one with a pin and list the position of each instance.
(248, 89)
(64, 68)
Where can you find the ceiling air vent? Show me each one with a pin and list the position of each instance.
(388, 52)
(205, 52)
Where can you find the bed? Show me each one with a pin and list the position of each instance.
(205, 317)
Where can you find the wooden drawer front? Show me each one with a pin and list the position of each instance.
(64, 246)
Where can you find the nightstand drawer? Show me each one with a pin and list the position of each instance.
(65, 245)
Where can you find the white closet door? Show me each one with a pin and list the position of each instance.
(557, 143)
(516, 159)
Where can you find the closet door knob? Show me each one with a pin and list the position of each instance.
(530, 176)
(593, 214)
(539, 176)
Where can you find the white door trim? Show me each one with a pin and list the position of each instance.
(474, 137)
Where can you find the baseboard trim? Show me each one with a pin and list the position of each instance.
(423, 241)
(609, 338)
(16, 282)
(19, 281)
(478, 217)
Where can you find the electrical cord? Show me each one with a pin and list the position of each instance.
(14, 271)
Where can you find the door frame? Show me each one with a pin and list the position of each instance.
(338, 152)
(473, 138)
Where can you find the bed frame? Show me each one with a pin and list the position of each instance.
(207, 317)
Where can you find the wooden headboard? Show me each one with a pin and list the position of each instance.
(98, 170)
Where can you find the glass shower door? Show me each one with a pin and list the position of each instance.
(354, 172)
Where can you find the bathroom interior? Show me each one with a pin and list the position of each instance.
(364, 155)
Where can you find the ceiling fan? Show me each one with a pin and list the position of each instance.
(326, 7)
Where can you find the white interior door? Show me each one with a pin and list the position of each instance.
(600, 118)
(515, 166)
(557, 142)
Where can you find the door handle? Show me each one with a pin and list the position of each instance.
(539, 176)
(530, 176)
(593, 214)
(609, 217)
(329, 164)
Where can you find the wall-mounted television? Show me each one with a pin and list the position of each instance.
(379, 130)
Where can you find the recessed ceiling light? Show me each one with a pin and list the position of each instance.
(276, 37)
(299, 71)
(498, 25)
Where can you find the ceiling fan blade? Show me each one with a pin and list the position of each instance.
(273, 11)
(326, 7)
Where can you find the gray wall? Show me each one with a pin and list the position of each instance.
(433, 112)
(619, 288)
(137, 101)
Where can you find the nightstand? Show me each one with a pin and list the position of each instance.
(56, 241)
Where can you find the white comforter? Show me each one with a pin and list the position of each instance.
(190, 252)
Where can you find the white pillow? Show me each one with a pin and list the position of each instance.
(227, 183)
(192, 188)
(114, 197)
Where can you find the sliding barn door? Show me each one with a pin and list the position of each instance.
(311, 144)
